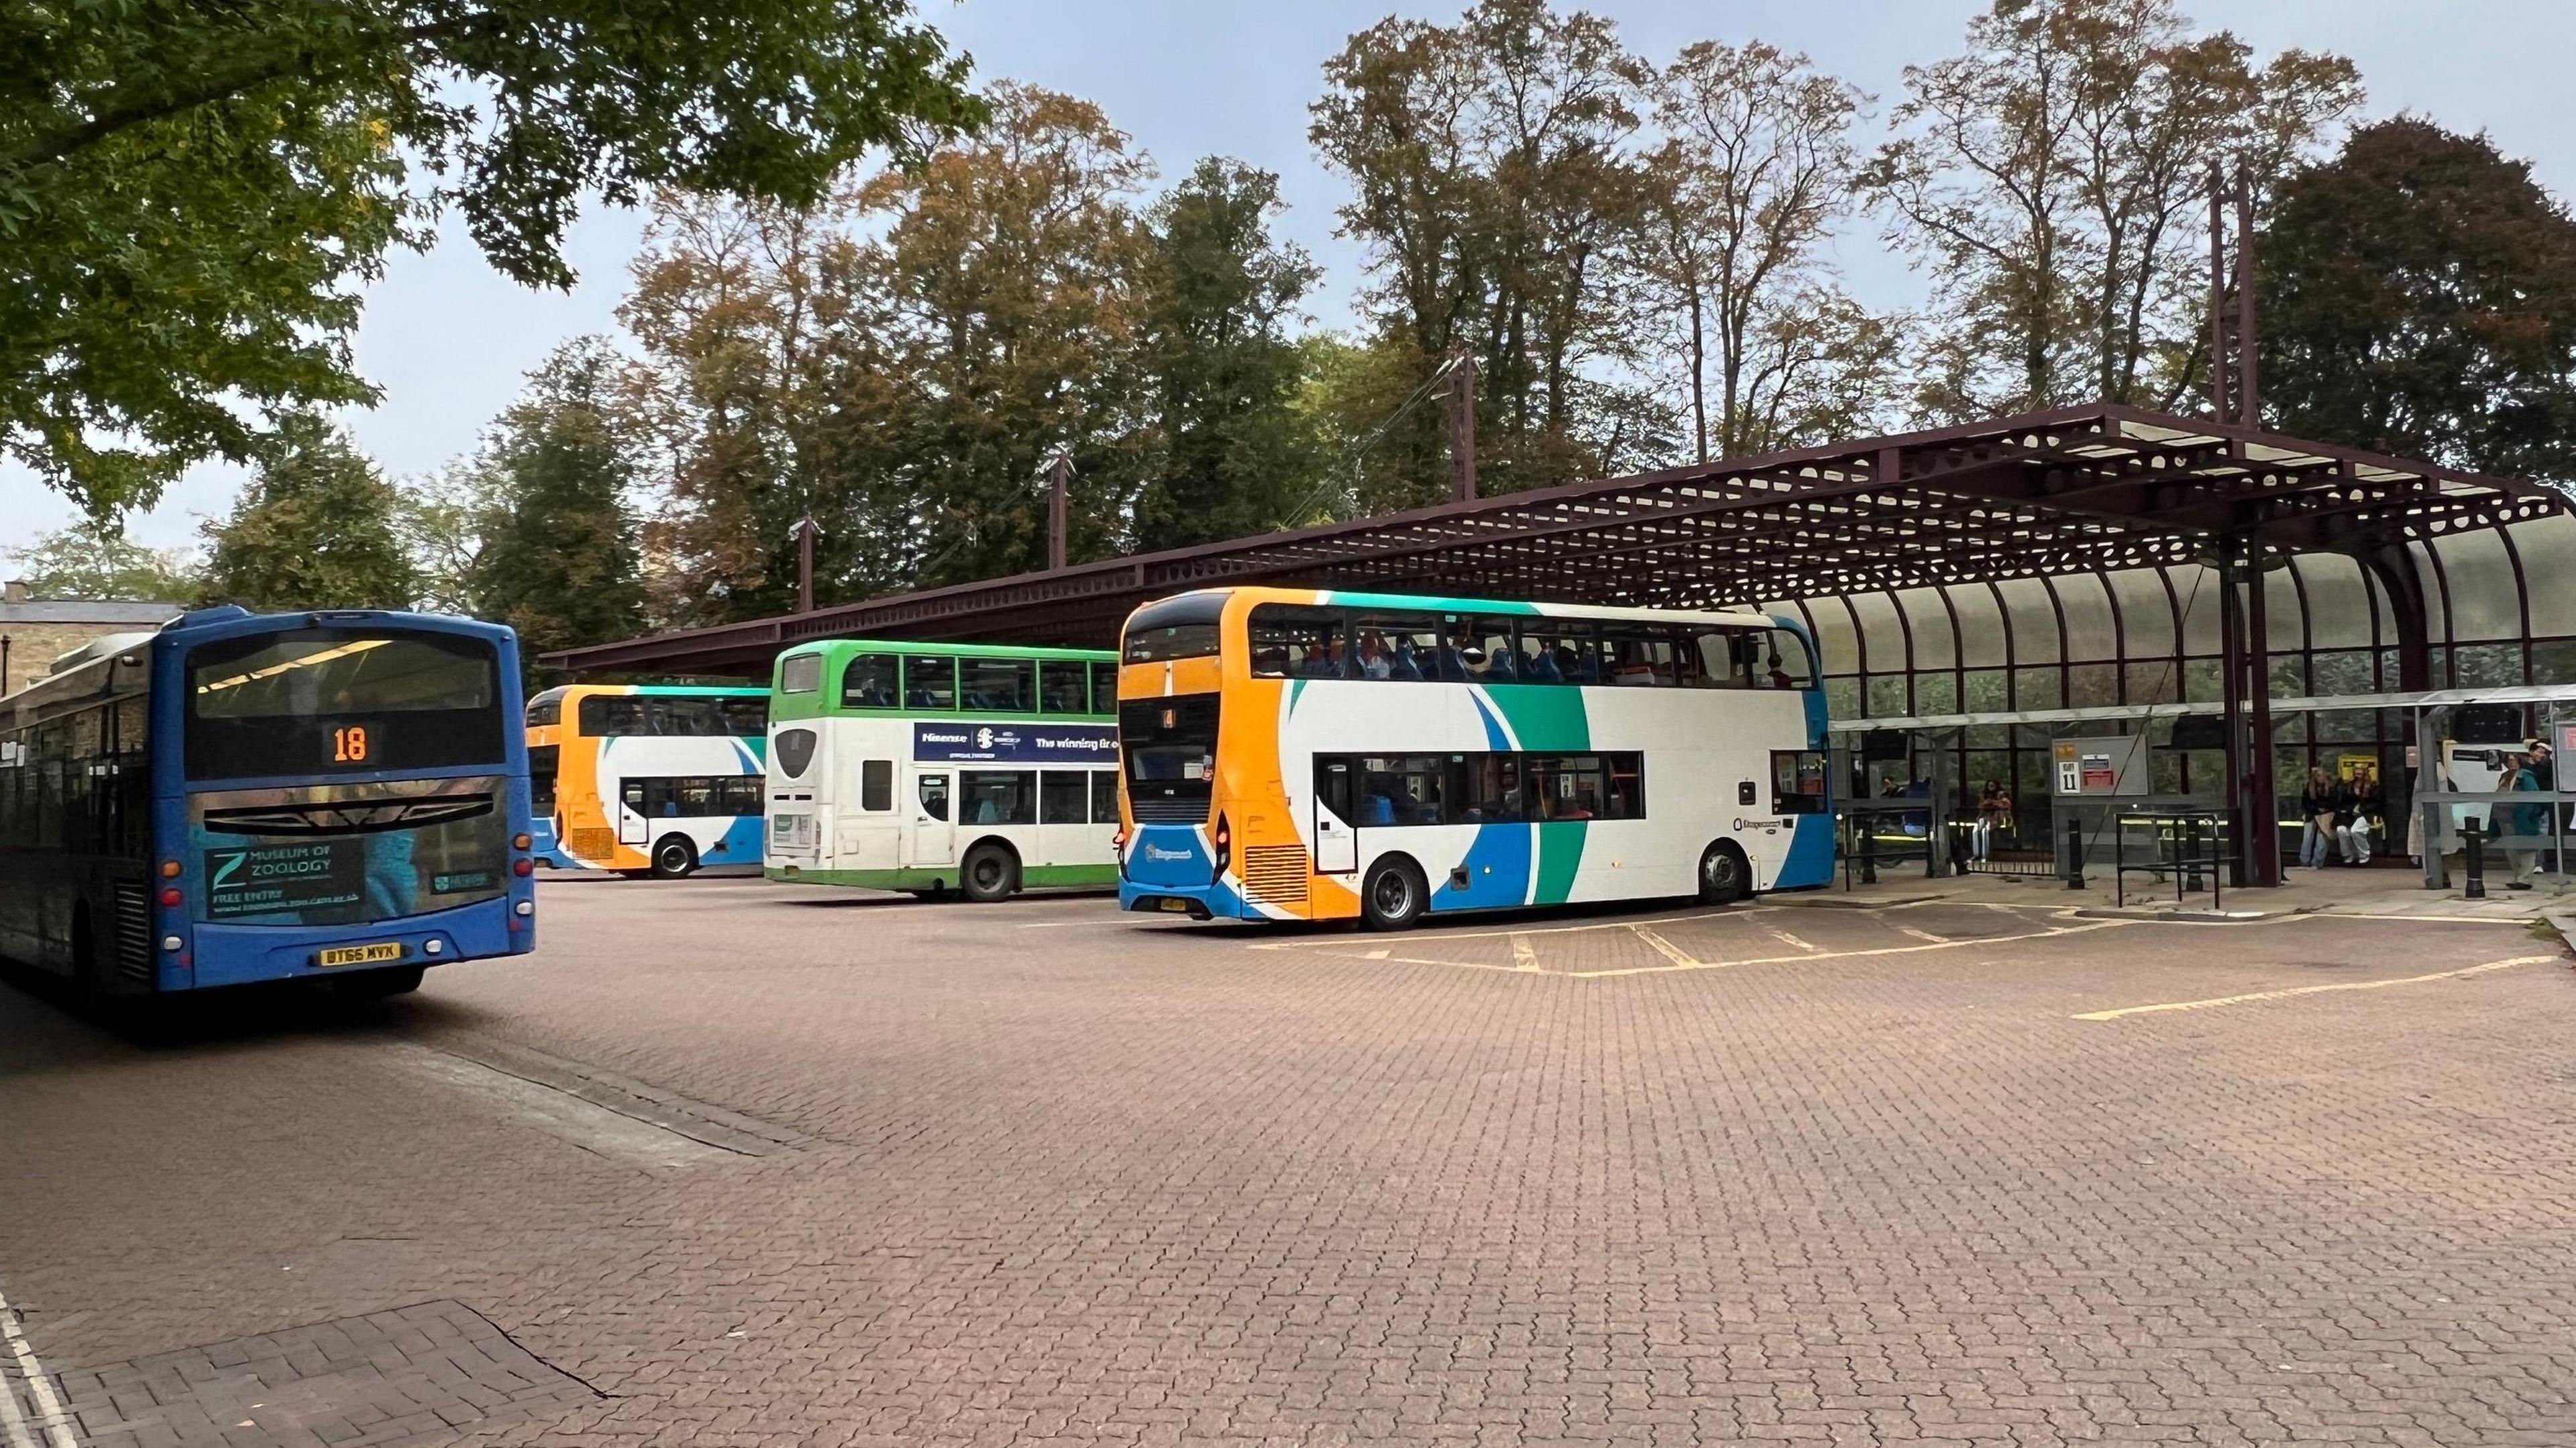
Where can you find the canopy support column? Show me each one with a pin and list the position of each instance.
(2231, 696)
(2260, 800)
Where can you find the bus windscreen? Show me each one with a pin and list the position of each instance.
(330, 701)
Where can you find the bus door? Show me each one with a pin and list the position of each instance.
(632, 827)
(934, 831)
(1337, 841)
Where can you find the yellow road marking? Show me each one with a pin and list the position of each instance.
(2251, 997)
(1524, 954)
(1666, 949)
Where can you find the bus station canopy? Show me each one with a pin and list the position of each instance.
(2088, 489)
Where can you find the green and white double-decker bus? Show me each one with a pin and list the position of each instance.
(926, 767)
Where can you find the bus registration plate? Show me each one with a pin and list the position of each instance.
(360, 954)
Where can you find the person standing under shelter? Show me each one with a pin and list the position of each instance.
(2544, 768)
(2321, 806)
(2520, 824)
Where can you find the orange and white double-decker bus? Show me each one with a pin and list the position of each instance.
(1294, 754)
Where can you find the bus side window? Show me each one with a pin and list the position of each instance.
(930, 682)
(1062, 688)
(1778, 661)
(934, 796)
(1104, 688)
(631, 794)
(868, 682)
(1104, 796)
(998, 686)
(1064, 797)
(1298, 643)
(876, 785)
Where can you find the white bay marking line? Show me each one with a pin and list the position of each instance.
(1684, 963)
(1794, 943)
(2250, 997)
(1524, 954)
(1729, 913)
(40, 1390)
(1664, 948)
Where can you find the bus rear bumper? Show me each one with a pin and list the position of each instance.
(225, 955)
(1166, 900)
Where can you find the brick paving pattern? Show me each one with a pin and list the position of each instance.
(407, 1376)
(1768, 1176)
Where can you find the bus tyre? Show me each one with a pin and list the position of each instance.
(988, 873)
(376, 985)
(1724, 876)
(674, 857)
(1392, 897)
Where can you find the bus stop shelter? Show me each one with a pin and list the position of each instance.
(2096, 489)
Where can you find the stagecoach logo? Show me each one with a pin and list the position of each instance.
(1157, 852)
(1766, 826)
(1095, 744)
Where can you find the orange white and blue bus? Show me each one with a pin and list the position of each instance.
(337, 795)
(654, 779)
(1293, 754)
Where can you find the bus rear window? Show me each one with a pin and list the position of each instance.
(338, 701)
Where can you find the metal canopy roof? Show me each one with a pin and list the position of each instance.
(2294, 704)
(2077, 490)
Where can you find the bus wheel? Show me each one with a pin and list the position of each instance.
(1724, 877)
(90, 996)
(989, 873)
(376, 985)
(674, 857)
(1392, 896)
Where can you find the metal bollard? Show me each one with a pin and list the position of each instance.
(2191, 845)
(2473, 839)
(2074, 854)
(1868, 851)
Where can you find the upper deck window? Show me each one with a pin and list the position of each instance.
(801, 674)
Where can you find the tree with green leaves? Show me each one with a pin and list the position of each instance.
(317, 528)
(88, 560)
(191, 195)
(1231, 454)
(2418, 297)
(1756, 168)
(899, 363)
(557, 560)
(1495, 184)
(2049, 176)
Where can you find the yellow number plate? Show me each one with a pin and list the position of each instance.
(360, 954)
(1178, 906)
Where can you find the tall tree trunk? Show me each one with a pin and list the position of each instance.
(1699, 372)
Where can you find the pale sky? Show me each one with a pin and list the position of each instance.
(449, 341)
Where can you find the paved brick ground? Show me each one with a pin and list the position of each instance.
(1797, 1174)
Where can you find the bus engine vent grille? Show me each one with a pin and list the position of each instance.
(1150, 810)
(134, 931)
(1275, 874)
(594, 843)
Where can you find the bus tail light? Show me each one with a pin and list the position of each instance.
(522, 867)
(520, 842)
(1224, 848)
(169, 869)
(171, 897)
